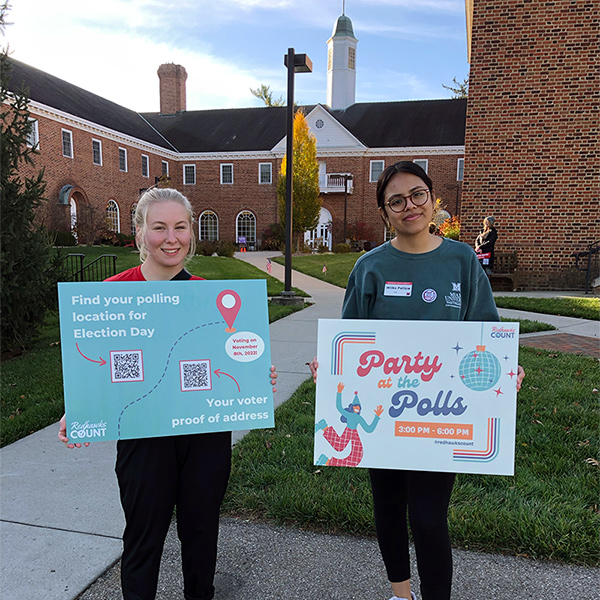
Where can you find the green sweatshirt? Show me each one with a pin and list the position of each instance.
(446, 284)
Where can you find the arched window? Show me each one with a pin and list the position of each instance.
(112, 216)
(133, 207)
(246, 227)
(209, 226)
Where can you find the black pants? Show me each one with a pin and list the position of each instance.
(427, 496)
(155, 475)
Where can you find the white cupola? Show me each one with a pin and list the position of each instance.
(341, 65)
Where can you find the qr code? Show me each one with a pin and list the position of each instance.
(195, 375)
(126, 365)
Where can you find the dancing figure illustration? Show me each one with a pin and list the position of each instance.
(352, 417)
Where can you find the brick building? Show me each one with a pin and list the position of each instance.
(98, 155)
(532, 158)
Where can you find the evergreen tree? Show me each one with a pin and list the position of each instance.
(28, 264)
(306, 203)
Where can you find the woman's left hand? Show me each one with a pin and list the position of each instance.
(520, 376)
(273, 375)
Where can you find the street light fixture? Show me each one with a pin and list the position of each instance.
(295, 63)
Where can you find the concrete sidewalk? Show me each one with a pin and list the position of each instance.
(62, 521)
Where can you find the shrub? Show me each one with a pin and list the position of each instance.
(450, 228)
(64, 238)
(226, 248)
(122, 239)
(207, 247)
(360, 232)
(105, 237)
(273, 237)
(341, 248)
(322, 248)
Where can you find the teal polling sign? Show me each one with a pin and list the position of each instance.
(160, 358)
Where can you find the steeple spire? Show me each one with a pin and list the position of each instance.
(341, 63)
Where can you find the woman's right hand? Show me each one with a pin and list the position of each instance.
(62, 434)
(313, 365)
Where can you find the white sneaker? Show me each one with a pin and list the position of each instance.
(412, 597)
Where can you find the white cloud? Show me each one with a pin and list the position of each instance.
(120, 66)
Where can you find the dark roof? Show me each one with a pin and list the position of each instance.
(410, 123)
(223, 130)
(69, 98)
(375, 124)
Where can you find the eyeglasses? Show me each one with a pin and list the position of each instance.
(398, 203)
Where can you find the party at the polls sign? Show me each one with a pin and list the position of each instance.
(156, 358)
(418, 395)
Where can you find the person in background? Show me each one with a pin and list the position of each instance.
(155, 475)
(484, 245)
(437, 265)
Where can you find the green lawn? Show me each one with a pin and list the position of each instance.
(582, 308)
(209, 267)
(340, 265)
(31, 384)
(549, 509)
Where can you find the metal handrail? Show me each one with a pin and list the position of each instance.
(594, 248)
(98, 270)
(72, 267)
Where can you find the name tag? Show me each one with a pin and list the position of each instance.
(398, 288)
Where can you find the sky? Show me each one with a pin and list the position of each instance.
(406, 50)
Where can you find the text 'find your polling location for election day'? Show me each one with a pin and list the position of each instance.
(148, 359)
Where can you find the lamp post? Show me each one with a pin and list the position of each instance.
(295, 63)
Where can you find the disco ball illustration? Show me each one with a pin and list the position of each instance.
(479, 370)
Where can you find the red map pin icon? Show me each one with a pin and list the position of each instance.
(229, 304)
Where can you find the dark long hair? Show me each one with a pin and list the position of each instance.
(404, 166)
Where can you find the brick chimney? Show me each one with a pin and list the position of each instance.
(172, 88)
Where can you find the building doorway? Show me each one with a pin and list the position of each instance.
(322, 234)
(73, 212)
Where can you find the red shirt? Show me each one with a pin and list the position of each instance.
(136, 274)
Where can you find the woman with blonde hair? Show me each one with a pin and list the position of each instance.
(186, 472)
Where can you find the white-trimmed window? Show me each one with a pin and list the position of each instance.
(97, 152)
(67, 143)
(208, 226)
(165, 168)
(227, 173)
(189, 174)
(246, 227)
(112, 216)
(423, 163)
(145, 166)
(376, 170)
(133, 207)
(265, 173)
(123, 160)
(460, 169)
(33, 137)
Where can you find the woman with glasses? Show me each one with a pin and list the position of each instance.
(442, 281)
